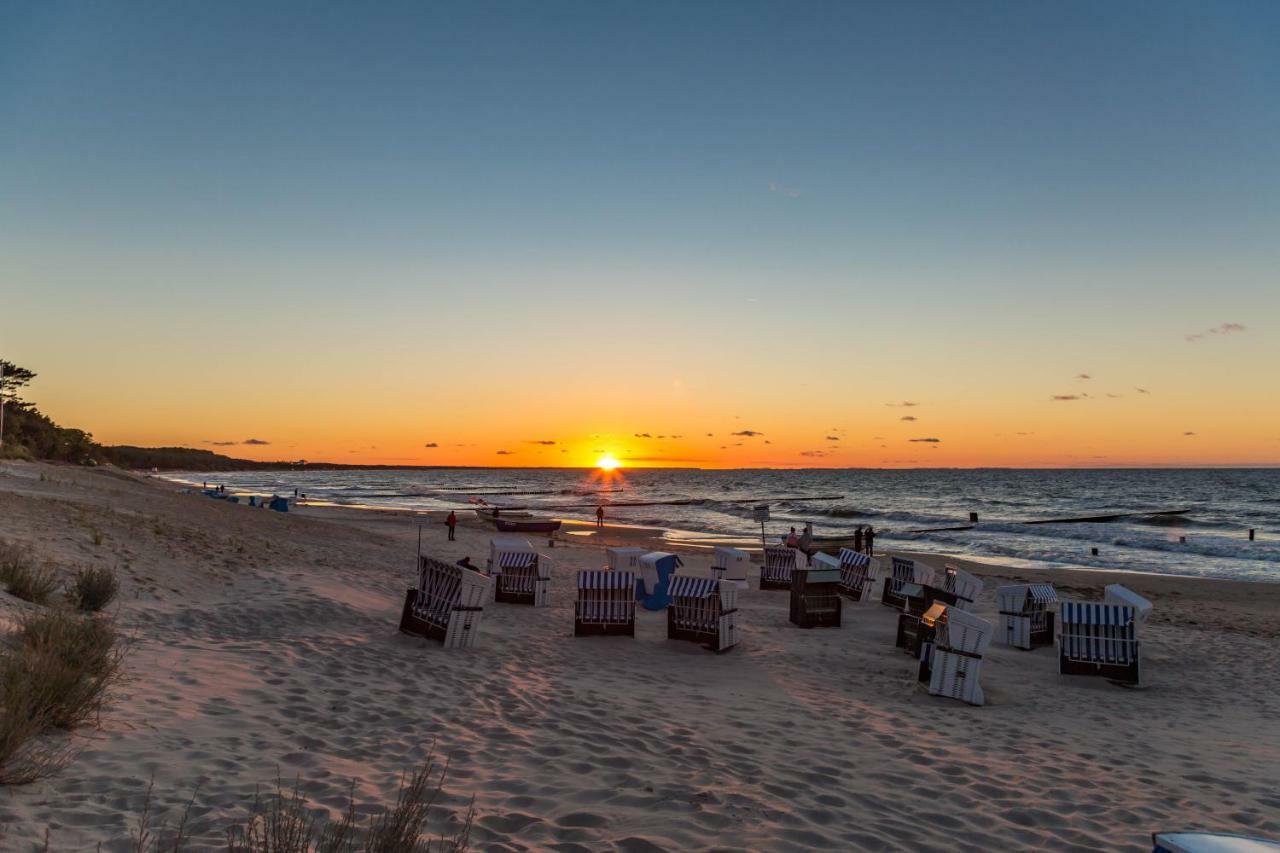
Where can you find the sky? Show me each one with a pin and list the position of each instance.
(712, 234)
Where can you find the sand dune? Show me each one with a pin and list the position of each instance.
(265, 644)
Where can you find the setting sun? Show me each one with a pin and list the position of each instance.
(607, 463)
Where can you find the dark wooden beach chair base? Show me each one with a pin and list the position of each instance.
(913, 634)
(604, 629)
(772, 584)
(805, 614)
(503, 597)
(707, 639)
(1123, 673)
(410, 623)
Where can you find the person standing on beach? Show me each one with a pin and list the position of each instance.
(857, 539)
(870, 539)
(792, 541)
(600, 516)
(451, 522)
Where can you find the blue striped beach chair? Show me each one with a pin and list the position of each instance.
(779, 562)
(703, 610)
(857, 575)
(606, 604)
(1099, 639)
(521, 575)
(447, 604)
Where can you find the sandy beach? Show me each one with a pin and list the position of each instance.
(265, 644)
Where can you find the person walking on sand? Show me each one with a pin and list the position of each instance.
(857, 539)
(600, 516)
(871, 540)
(451, 522)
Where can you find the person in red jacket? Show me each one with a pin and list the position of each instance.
(452, 522)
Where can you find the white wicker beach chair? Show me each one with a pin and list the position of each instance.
(779, 562)
(521, 575)
(703, 610)
(857, 574)
(606, 604)
(815, 593)
(1099, 639)
(963, 585)
(1120, 594)
(903, 572)
(730, 564)
(624, 559)
(1026, 614)
(447, 604)
(951, 662)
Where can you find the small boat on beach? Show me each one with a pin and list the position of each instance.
(526, 526)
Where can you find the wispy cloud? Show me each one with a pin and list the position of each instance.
(907, 418)
(748, 433)
(1083, 376)
(926, 440)
(665, 459)
(430, 444)
(783, 189)
(812, 453)
(1220, 329)
(833, 438)
(643, 435)
(1142, 390)
(905, 404)
(505, 452)
(1188, 432)
(251, 441)
(1066, 398)
(255, 441)
(547, 442)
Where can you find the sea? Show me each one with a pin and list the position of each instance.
(1161, 521)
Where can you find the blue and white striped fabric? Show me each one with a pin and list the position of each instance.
(1098, 633)
(853, 559)
(695, 603)
(516, 559)
(1042, 593)
(779, 563)
(691, 587)
(605, 596)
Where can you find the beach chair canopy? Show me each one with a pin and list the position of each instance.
(780, 556)
(853, 559)
(686, 586)
(962, 584)
(958, 630)
(516, 559)
(1019, 597)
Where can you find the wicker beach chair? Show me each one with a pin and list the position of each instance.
(1099, 639)
(730, 564)
(857, 575)
(951, 657)
(624, 559)
(903, 572)
(1120, 594)
(815, 593)
(963, 585)
(703, 610)
(521, 575)
(606, 604)
(1026, 615)
(653, 579)
(447, 605)
(779, 562)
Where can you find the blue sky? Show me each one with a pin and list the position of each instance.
(1111, 166)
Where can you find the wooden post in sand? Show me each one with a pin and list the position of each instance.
(1250, 534)
(1093, 551)
(973, 518)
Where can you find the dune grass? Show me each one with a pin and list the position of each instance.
(285, 822)
(92, 588)
(22, 575)
(58, 676)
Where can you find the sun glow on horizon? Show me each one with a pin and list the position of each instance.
(608, 463)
